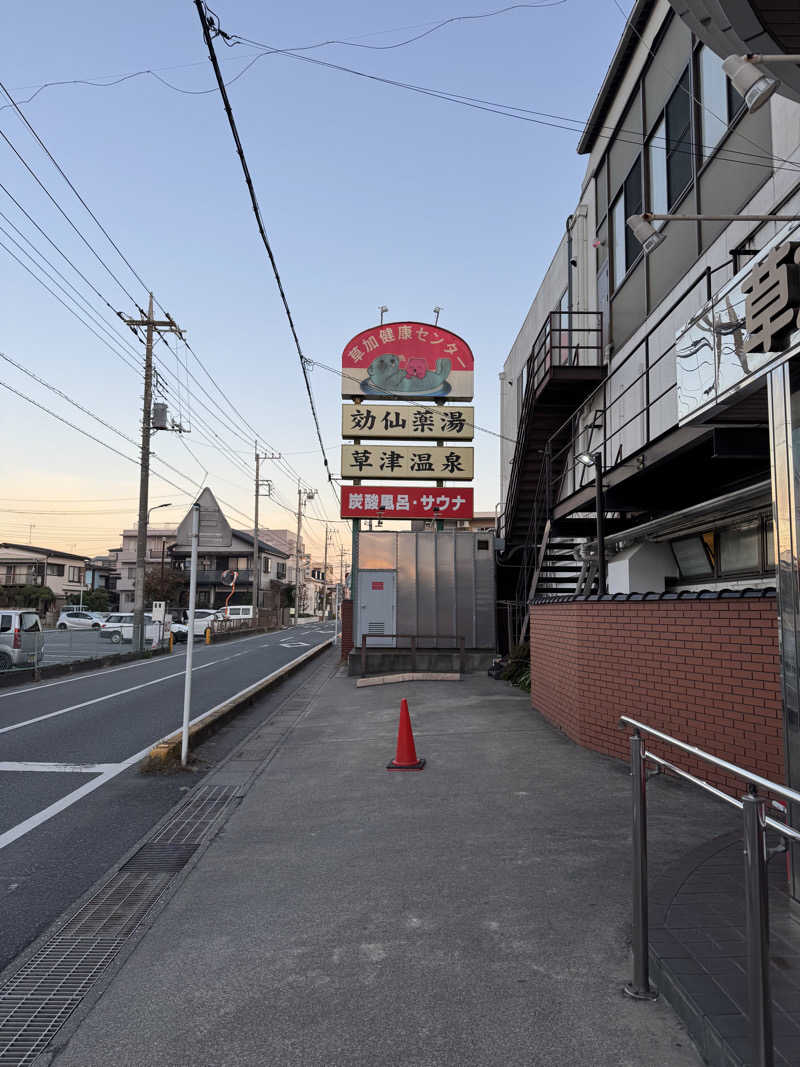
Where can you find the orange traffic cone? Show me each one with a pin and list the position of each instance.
(406, 758)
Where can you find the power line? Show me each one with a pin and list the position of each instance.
(201, 11)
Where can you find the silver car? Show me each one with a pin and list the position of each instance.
(21, 638)
(78, 619)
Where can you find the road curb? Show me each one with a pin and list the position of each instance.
(201, 727)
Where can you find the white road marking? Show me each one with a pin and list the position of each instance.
(67, 801)
(294, 644)
(64, 768)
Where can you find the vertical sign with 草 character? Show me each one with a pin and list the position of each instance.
(406, 382)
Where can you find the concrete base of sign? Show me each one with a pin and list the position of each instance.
(418, 676)
(382, 661)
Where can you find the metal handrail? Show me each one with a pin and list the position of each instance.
(756, 855)
(740, 772)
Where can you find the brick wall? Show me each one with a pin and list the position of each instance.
(704, 671)
(347, 627)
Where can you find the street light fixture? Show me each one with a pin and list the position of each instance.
(753, 84)
(595, 459)
(649, 237)
(155, 508)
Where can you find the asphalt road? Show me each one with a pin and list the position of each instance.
(72, 800)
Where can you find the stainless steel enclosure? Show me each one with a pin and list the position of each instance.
(445, 583)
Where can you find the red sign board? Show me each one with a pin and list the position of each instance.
(377, 585)
(408, 360)
(406, 502)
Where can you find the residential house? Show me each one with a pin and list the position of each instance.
(29, 565)
(159, 540)
(103, 572)
(286, 540)
(223, 551)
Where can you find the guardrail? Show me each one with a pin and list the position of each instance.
(756, 855)
(413, 638)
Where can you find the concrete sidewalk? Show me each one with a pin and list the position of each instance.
(475, 913)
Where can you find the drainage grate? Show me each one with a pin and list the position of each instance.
(166, 857)
(195, 819)
(37, 1000)
(118, 908)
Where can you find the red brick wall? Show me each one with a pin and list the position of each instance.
(704, 671)
(347, 627)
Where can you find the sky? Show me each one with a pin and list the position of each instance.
(371, 195)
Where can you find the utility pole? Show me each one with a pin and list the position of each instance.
(309, 495)
(256, 575)
(259, 483)
(325, 577)
(144, 470)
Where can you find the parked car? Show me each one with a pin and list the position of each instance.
(238, 611)
(21, 638)
(119, 627)
(77, 619)
(203, 618)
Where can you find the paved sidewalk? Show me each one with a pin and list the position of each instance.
(476, 913)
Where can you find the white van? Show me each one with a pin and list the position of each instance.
(238, 611)
(119, 627)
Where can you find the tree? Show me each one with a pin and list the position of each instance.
(93, 599)
(174, 589)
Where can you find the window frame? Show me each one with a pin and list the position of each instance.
(718, 573)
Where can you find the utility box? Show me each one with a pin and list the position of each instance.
(436, 587)
(160, 416)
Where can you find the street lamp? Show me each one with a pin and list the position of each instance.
(649, 237)
(753, 84)
(595, 459)
(155, 508)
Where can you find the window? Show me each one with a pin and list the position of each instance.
(131, 572)
(5, 624)
(769, 545)
(75, 574)
(56, 569)
(29, 622)
(238, 563)
(718, 99)
(618, 238)
(632, 195)
(678, 117)
(739, 547)
(280, 570)
(267, 565)
(657, 165)
(692, 557)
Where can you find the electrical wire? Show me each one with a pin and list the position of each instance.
(201, 10)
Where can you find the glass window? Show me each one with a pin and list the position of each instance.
(618, 239)
(56, 569)
(713, 101)
(632, 192)
(692, 557)
(5, 624)
(769, 545)
(739, 547)
(678, 115)
(29, 622)
(657, 159)
(267, 565)
(74, 574)
(280, 570)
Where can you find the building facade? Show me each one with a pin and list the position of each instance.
(159, 541)
(28, 565)
(651, 367)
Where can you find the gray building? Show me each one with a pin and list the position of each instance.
(223, 549)
(594, 368)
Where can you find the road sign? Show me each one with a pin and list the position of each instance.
(428, 422)
(408, 360)
(406, 502)
(453, 463)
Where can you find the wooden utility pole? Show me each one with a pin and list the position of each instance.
(297, 553)
(144, 468)
(256, 575)
(325, 577)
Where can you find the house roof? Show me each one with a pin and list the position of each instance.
(262, 544)
(36, 550)
(637, 20)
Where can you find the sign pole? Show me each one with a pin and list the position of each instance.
(187, 684)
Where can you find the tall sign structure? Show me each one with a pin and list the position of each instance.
(407, 382)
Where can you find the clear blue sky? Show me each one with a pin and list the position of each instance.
(371, 194)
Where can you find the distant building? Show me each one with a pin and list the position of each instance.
(159, 540)
(482, 521)
(27, 565)
(223, 549)
(103, 572)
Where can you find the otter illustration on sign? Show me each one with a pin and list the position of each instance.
(388, 376)
(408, 359)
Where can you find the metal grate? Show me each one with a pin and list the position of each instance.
(118, 908)
(198, 815)
(160, 858)
(37, 1000)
